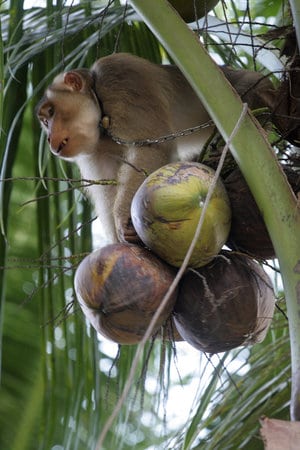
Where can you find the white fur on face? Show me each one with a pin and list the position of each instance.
(75, 121)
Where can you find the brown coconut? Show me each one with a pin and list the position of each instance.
(248, 232)
(226, 304)
(286, 101)
(119, 288)
(192, 9)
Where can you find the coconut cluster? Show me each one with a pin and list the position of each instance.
(225, 298)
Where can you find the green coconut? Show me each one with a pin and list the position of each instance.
(166, 208)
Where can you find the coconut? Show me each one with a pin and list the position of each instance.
(166, 208)
(119, 288)
(226, 304)
(188, 8)
(248, 232)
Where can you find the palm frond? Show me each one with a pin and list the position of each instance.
(60, 380)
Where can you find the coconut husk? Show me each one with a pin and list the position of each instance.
(226, 304)
(286, 102)
(286, 110)
(248, 232)
(119, 288)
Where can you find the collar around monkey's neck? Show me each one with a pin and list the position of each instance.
(104, 120)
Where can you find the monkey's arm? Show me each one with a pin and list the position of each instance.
(140, 162)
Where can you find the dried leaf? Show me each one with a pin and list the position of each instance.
(280, 434)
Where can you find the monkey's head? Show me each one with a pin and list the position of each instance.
(70, 114)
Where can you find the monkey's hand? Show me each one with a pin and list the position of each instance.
(127, 233)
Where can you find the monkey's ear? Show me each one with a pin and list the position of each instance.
(74, 81)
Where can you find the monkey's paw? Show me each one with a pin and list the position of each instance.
(127, 233)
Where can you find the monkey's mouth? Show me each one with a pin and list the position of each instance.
(62, 145)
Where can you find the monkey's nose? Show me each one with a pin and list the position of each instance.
(61, 145)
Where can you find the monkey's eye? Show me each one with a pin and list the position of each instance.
(50, 111)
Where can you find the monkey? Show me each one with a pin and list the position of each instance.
(130, 98)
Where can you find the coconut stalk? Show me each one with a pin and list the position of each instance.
(252, 153)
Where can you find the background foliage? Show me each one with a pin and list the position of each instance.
(59, 380)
